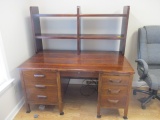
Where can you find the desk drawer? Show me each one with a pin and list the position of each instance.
(41, 89)
(40, 77)
(42, 98)
(79, 74)
(41, 94)
(115, 80)
(114, 90)
(113, 101)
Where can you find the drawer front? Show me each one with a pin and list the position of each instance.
(41, 89)
(113, 101)
(79, 74)
(114, 90)
(42, 95)
(39, 77)
(115, 80)
(42, 98)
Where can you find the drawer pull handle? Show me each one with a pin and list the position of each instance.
(40, 86)
(113, 101)
(115, 81)
(114, 91)
(38, 76)
(42, 96)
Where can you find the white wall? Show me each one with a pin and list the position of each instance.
(18, 46)
(17, 34)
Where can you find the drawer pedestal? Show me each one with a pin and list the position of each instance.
(114, 92)
(42, 87)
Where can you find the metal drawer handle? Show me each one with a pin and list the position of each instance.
(113, 101)
(40, 86)
(114, 91)
(115, 81)
(42, 96)
(38, 75)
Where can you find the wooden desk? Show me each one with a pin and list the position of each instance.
(42, 84)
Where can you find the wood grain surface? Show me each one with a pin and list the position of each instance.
(90, 61)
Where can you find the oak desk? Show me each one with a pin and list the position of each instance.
(41, 77)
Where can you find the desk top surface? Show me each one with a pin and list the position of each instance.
(87, 61)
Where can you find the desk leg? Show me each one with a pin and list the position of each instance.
(60, 103)
(61, 109)
(99, 93)
(125, 113)
(28, 110)
(128, 98)
(98, 111)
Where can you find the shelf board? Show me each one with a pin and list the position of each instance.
(82, 36)
(81, 15)
(102, 36)
(55, 15)
(103, 15)
(56, 36)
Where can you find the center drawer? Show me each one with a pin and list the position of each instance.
(39, 77)
(79, 74)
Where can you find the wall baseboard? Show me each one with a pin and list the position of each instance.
(13, 113)
(76, 81)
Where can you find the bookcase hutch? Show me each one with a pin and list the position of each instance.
(41, 74)
(38, 36)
